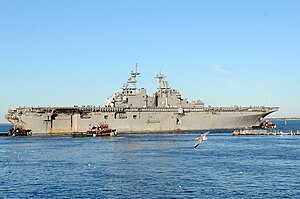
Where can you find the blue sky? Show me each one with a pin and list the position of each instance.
(62, 53)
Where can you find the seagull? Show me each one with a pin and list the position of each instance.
(201, 138)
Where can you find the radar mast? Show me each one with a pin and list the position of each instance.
(130, 86)
(163, 84)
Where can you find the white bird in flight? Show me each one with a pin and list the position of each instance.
(201, 138)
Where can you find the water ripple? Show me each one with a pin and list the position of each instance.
(150, 166)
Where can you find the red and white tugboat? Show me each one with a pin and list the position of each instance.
(102, 130)
(19, 132)
(94, 131)
(265, 125)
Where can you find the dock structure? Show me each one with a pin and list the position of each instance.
(264, 132)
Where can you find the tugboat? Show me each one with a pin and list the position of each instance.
(261, 129)
(102, 130)
(265, 125)
(19, 132)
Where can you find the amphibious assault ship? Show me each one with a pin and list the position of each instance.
(132, 110)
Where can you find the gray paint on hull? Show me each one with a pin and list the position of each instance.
(41, 121)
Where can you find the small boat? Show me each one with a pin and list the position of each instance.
(4, 134)
(19, 132)
(235, 133)
(102, 130)
(79, 134)
(265, 125)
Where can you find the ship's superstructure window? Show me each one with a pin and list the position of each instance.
(134, 116)
(120, 116)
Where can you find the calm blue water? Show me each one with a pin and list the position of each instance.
(151, 166)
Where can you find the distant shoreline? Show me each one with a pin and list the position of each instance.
(284, 118)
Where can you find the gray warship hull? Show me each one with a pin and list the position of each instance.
(132, 110)
(65, 120)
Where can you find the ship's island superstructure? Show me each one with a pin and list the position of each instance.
(132, 110)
